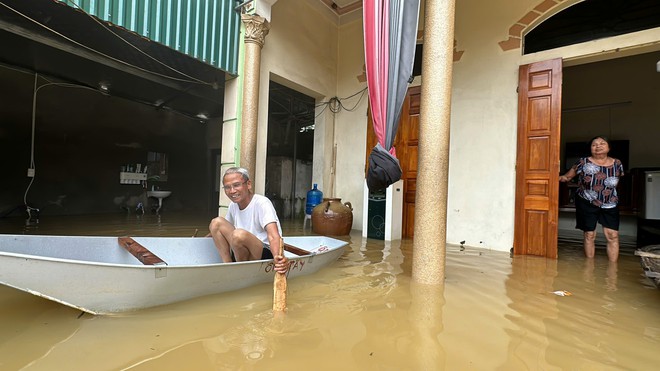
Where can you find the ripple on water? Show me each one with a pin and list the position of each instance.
(363, 312)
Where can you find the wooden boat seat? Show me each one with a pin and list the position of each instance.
(295, 250)
(142, 254)
(146, 257)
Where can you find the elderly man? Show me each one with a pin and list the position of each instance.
(251, 229)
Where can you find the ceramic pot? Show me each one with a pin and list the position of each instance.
(332, 218)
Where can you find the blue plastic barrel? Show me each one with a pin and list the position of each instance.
(314, 197)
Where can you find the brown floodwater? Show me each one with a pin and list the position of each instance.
(363, 312)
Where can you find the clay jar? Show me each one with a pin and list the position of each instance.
(332, 218)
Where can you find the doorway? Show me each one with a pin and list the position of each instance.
(616, 98)
(290, 150)
(612, 98)
(597, 98)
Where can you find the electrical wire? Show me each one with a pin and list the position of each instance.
(37, 88)
(100, 53)
(356, 103)
(320, 113)
(34, 108)
(34, 122)
(17, 69)
(335, 103)
(95, 19)
(28, 208)
(151, 104)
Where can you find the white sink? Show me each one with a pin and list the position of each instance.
(159, 194)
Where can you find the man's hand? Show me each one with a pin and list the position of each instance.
(281, 264)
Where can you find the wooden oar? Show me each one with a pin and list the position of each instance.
(279, 287)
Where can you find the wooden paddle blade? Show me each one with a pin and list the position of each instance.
(279, 292)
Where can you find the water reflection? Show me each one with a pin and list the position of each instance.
(361, 313)
(530, 287)
(610, 279)
(426, 322)
(591, 329)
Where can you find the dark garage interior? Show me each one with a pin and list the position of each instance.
(78, 104)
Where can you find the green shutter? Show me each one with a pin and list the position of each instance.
(207, 30)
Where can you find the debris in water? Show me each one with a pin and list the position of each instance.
(562, 293)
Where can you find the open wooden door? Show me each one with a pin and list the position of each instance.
(537, 165)
(407, 142)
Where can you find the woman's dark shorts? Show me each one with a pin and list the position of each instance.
(265, 253)
(587, 215)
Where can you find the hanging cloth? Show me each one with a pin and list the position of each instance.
(390, 33)
(384, 169)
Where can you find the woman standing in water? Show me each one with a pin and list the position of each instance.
(596, 200)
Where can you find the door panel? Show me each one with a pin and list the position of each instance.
(410, 189)
(407, 141)
(537, 165)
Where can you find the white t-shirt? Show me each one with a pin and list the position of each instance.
(254, 218)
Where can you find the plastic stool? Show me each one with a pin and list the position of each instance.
(307, 217)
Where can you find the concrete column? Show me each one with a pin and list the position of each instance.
(256, 29)
(430, 240)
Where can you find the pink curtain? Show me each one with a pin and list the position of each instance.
(376, 51)
(390, 34)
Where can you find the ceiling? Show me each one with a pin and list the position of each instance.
(341, 7)
(345, 3)
(63, 43)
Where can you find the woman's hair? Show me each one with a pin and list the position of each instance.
(238, 170)
(600, 137)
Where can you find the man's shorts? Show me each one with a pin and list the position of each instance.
(265, 253)
(587, 215)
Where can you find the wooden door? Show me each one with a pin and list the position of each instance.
(537, 165)
(407, 141)
(406, 151)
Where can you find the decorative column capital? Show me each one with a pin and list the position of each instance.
(256, 29)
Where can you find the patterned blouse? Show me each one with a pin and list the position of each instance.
(597, 184)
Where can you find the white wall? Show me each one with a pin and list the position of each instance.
(480, 208)
(351, 128)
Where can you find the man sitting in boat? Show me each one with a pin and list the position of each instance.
(251, 229)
